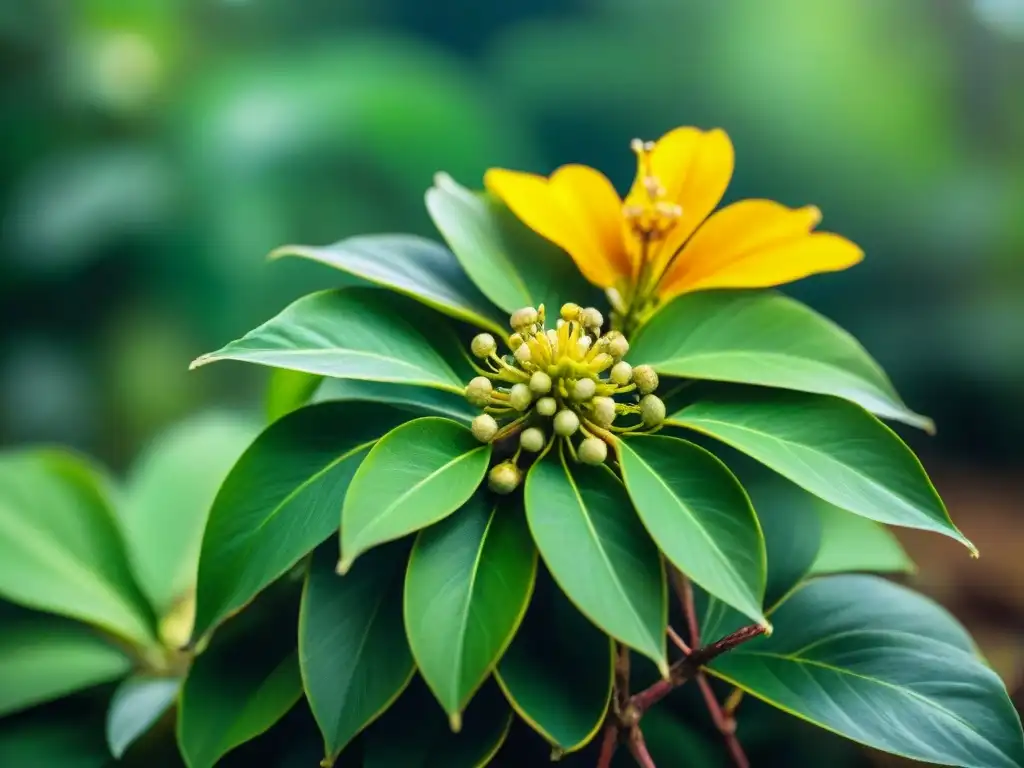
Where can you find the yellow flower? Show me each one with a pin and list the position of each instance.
(664, 240)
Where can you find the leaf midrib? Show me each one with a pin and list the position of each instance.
(737, 580)
(604, 555)
(695, 424)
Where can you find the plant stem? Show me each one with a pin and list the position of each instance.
(609, 742)
(723, 719)
(638, 748)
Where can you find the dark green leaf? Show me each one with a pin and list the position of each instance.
(355, 333)
(137, 704)
(853, 543)
(352, 649)
(414, 266)
(512, 265)
(413, 733)
(598, 552)
(289, 390)
(699, 516)
(879, 664)
(168, 497)
(417, 474)
(44, 658)
(830, 447)
(60, 549)
(467, 587)
(238, 688)
(43, 738)
(557, 674)
(281, 499)
(763, 337)
(419, 400)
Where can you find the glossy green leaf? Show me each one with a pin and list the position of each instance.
(413, 266)
(879, 664)
(136, 706)
(418, 400)
(469, 581)
(354, 658)
(43, 658)
(763, 337)
(598, 552)
(60, 549)
(830, 447)
(853, 543)
(355, 333)
(557, 673)
(168, 497)
(413, 733)
(699, 516)
(513, 266)
(289, 390)
(236, 689)
(792, 538)
(281, 499)
(417, 474)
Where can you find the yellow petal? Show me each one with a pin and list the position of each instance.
(757, 244)
(577, 209)
(694, 167)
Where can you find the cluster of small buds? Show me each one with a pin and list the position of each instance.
(569, 382)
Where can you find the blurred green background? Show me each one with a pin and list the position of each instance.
(153, 151)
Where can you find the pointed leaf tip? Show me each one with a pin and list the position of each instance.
(343, 566)
(455, 722)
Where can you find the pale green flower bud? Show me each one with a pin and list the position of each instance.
(584, 389)
(593, 450)
(483, 345)
(646, 379)
(566, 423)
(583, 344)
(479, 390)
(622, 373)
(523, 354)
(515, 341)
(547, 406)
(484, 427)
(618, 346)
(532, 440)
(520, 396)
(570, 311)
(523, 317)
(559, 323)
(504, 478)
(591, 318)
(602, 411)
(540, 383)
(652, 410)
(552, 335)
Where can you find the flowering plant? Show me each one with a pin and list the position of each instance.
(493, 466)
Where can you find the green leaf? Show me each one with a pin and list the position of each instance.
(763, 337)
(289, 390)
(281, 499)
(599, 553)
(417, 474)
(137, 705)
(237, 689)
(413, 733)
(419, 400)
(557, 674)
(352, 649)
(881, 665)
(354, 333)
(467, 587)
(853, 543)
(168, 497)
(414, 266)
(830, 447)
(512, 265)
(44, 658)
(60, 550)
(47, 738)
(699, 516)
